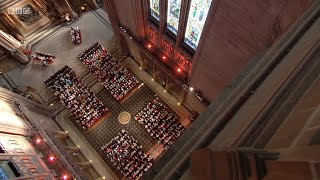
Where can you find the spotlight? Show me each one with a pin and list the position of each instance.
(51, 104)
(163, 57)
(64, 177)
(140, 67)
(179, 104)
(152, 79)
(191, 89)
(51, 158)
(164, 91)
(38, 141)
(78, 146)
(90, 161)
(103, 177)
(179, 69)
(130, 37)
(149, 46)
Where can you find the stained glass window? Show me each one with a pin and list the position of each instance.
(173, 15)
(155, 9)
(197, 17)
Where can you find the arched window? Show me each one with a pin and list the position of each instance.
(155, 9)
(194, 20)
(197, 17)
(173, 15)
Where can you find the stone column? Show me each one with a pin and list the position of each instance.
(13, 46)
(59, 134)
(93, 4)
(70, 149)
(65, 7)
(115, 23)
(83, 165)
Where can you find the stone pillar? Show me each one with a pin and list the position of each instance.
(70, 149)
(65, 7)
(110, 8)
(13, 46)
(59, 134)
(84, 165)
(93, 4)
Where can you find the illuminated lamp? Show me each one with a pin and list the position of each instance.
(191, 89)
(163, 57)
(64, 177)
(149, 46)
(179, 69)
(38, 140)
(51, 158)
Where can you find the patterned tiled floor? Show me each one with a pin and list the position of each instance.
(111, 126)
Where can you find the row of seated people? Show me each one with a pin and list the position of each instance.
(127, 156)
(118, 80)
(76, 35)
(160, 122)
(43, 58)
(85, 107)
(45, 55)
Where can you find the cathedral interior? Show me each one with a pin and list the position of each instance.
(160, 89)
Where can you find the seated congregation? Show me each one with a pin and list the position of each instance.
(118, 80)
(160, 123)
(127, 156)
(85, 107)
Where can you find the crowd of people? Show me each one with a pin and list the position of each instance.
(127, 156)
(85, 107)
(43, 58)
(76, 35)
(118, 80)
(160, 122)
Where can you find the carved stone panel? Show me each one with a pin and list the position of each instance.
(152, 33)
(167, 45)
(183, 58)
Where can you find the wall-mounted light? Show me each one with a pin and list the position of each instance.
(191, 89)
(38, 140)
(51, 158)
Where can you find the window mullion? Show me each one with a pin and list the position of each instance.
(163, 16)
(185, 5)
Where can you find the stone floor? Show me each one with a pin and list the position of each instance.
(94, 27)
(60, 45)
